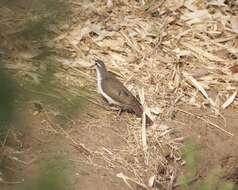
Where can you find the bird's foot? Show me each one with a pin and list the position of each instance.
(119, 112)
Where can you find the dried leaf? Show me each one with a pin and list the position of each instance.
(190, 4)
(109, 3)
(201, 72)
(201, 52)
(229, 100)
(234, 69)
(143, 128)
(234, 24)
(196, 16)
(199, 87)
(151, 181)
(182, 53)
(125, 179)
(156, 110)
(217, 2)
(173, 5)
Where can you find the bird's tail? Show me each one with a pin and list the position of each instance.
(138, 109)
(148, 121)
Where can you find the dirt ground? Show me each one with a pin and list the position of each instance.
(216, 150)
(175, 52)
(103, 131)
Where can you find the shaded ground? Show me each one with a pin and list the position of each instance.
(217, 151)
(171, 52)
(90, 166)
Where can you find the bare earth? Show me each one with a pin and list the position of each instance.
(88, 171)
(176, 52)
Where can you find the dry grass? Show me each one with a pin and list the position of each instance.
(174, 52)
(178, 56)
(178, 52)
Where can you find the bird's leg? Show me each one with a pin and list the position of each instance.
(119, 112)
(123, 108)
(105, 100)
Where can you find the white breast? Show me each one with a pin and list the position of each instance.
(100, 90)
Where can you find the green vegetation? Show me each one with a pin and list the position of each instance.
(211, 182)
(51, 176)
(40, 21)
(41, 16)
(7, 100)
(34, 82)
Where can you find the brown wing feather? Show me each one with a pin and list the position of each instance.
(114, 88)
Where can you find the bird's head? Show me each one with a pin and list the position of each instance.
(100, 65)
(100, 68)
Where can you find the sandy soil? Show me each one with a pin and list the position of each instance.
(105, 131)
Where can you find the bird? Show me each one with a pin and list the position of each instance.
(116, 93)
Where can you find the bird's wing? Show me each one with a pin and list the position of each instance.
(115, 89)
